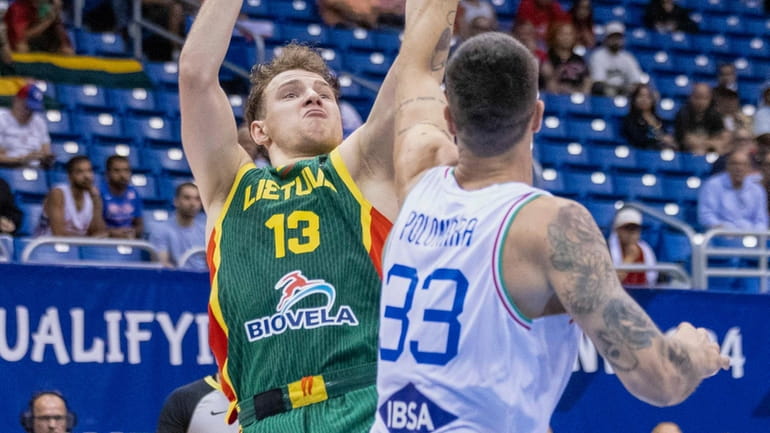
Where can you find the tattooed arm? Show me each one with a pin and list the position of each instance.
(661, 370)
(422, 138)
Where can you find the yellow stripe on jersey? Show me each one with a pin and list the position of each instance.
(308, 390)
(366, 207)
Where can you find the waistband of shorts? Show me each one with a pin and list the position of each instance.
(306, 391)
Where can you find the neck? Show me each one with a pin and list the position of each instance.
(116, 189)
(184, 220)
(474, 172)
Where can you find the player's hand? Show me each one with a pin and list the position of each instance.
(705, 355)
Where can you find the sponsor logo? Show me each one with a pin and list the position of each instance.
(408, 410)
(295, 287)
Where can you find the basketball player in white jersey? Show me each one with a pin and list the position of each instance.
(488, 281)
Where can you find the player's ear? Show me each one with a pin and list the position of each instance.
(537, 116)
(259, 133)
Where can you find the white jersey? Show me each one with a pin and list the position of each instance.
(455, 354)
(75, 221)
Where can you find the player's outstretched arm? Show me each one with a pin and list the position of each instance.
(422, 137)
(209, 133)
(661, 370)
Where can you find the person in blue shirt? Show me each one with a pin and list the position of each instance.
(183, 232)
(122, 206)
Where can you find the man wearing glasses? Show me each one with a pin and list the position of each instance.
(47, 413)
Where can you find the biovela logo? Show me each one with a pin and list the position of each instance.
(408, 411)
(295, 287)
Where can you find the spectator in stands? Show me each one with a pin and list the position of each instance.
(74, 208)
(48, 412)
(256, 152)
(185, 231)
(10, 214)
(122, 205)
(627, 248)
(727, 103)
(740, 139)
(348, 13)
(764, 166)
(524, 32)
(541, 14)
(727, 77)
(642, 127)
(168, 14)
(698, 127)
(732, 199)
(582, 14)
(564, 71)
(474, 17)
(37, 25)
(614, 70)
(762, 120)
(666, 427)
(667, 16)
(24, 139)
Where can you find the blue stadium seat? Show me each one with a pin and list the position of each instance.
(506, 8)
(370, 63)
(64, 150)
(295, 10)
(334, 58)
(153, 130)
(86, 97)
(387, 41)
(596, 130)
(113, 253)
(714, 44)
(721, 23)
(167, 186)
(166, 161)
(106, 44)
(59, 125)
(356, 38)
(49, 253)
(99, 154)
(754, 47)
(674, 87)
(758, 26)
(313, 33)
(138, 100)
(640, 186)
(674, 247)
(696, 65)
(610, 158)
(560, 155)
(641, 39)
(31, 217)
(667, 109)
(578, 105)
(589, 184)
(163, 74)
(552, 181)
(603, 212)
(605, 107)
(659, 61)
(168, 101)
(678, 42)
(147, 187)
(26, 183)
(682, 188)
(257, 8)
(696, 165)
(154, 216)
(657, 161)
(553, 127)
(102, 125)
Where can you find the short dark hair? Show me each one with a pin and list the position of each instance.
(182, 186)
(75, 160)
(491, 84)
(292, 56)
(112, 159)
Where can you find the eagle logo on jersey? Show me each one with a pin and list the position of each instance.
(410, 411)
(295, 287)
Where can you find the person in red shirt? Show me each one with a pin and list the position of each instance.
(627, 248)
(36, 25)
(541, 13)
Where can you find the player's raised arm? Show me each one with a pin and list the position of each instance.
(423, 138)
(209, 133)
(661, 370)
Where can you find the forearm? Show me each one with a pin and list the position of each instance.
(428, 35)
(207, 43)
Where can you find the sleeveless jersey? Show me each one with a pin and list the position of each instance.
(455, 353)
(294, 262)
(76, 221)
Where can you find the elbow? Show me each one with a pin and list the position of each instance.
(195, 72)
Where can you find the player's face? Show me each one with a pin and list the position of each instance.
(50, 415)
(301, 113)
(82, 175)
(119, 174)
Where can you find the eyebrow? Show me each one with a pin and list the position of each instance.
(297, 81)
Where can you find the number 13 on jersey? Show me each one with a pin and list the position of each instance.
(304, 237)
(432, 322)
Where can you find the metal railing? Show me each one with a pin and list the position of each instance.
(153, 262)
(187, 255)
(754, 246)
(680, 279)
(5, 253)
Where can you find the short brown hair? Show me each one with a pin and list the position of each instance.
(292, 56)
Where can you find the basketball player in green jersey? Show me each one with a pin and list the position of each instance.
(293, 250)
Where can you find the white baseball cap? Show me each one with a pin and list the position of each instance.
(614, 27)
(627, 216)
